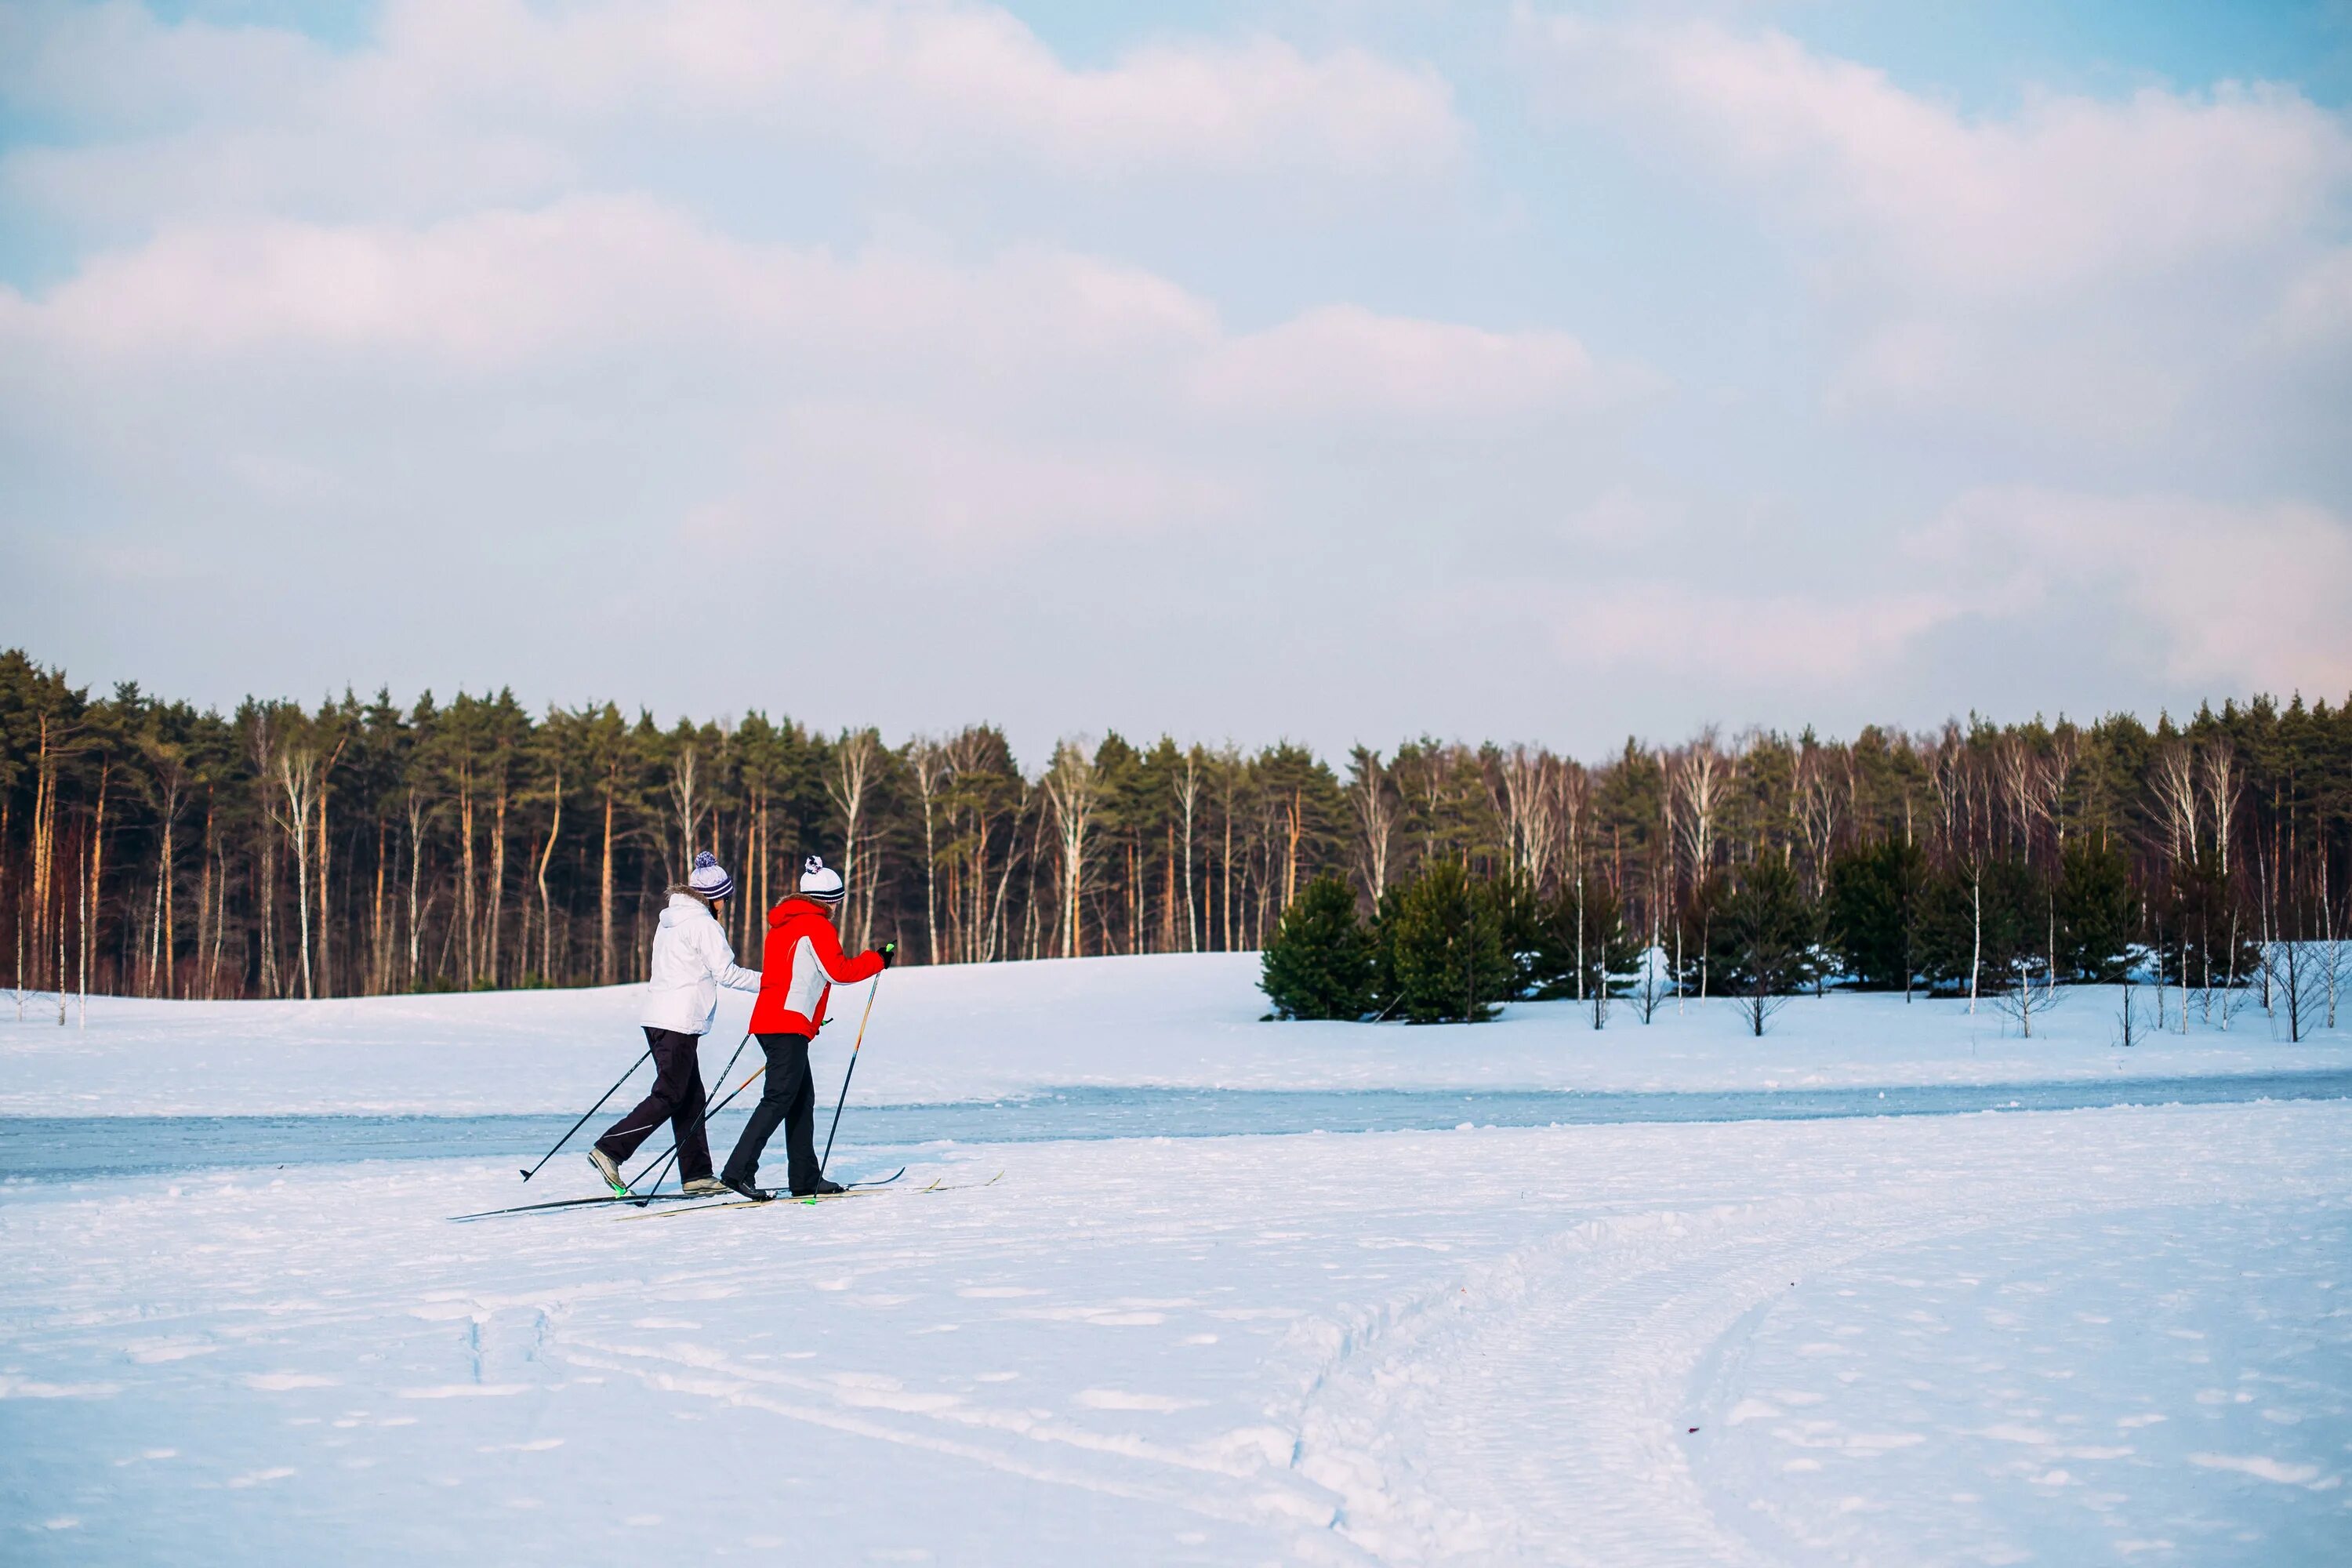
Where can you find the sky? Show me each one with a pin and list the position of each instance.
(1340, 370)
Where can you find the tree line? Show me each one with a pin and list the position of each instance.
(361, 846)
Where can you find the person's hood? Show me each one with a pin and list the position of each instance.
(684, 907)
(797, 908)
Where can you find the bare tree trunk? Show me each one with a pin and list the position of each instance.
(853, 759)
(931, 767)
(1188, 794)
(1226, 866)
(294, 764)
(417, 815)
(379, 949)
(2175, 779)
(1976, 931)
(469, 950)
(326, 947)
(1070, 785)
(546, 906)
(88, 904)
(203, 966)
(497, 876)
(604, 976)
(1295, 820)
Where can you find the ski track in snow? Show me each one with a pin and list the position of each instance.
(2083, 1336)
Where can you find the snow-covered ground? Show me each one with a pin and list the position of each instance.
(2065, 1337)
(981, 1032)
(2070, 1337)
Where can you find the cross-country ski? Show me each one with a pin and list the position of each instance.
(850, 1189)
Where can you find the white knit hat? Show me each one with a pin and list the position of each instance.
(708, 877)
(820, 882)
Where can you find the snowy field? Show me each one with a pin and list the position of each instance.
(982, 1032)
(2116, 1335)
(2083, 1337)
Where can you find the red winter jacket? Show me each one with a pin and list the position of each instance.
(799, 967)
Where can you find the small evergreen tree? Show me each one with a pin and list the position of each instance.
(1519, 916)
(1764, 934)
(1874, 912)
(2096, 912)
(1444, 948)
(1319, 963)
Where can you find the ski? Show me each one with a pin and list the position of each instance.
(640, 1199)
(855, 1189)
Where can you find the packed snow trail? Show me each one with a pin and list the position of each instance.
(1900, 1340)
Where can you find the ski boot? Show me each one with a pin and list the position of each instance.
(609, 1171)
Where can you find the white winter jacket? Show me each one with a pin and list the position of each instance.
(691, 961)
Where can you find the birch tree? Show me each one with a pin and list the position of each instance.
(1070, 785)
(1373, 794)
(165, 785)
(932, 767)
(298, 778)
(855, 757)
(1188, 801)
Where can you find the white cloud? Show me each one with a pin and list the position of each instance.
(2233, 596)
(2074, 270)
(2065, 192)
(1037, 393)
(459, 102)
(1343, 361)
(2190, 596)
(1755, 639)
(2315, 316)
(583, 275)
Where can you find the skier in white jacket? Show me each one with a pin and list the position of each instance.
(691, 961)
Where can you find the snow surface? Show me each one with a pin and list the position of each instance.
(2073, 1337)
(983, 1032)
(2068, 1338)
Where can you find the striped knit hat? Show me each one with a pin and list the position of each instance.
(708, 877)
(820, 882)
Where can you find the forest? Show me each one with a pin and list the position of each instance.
(361, 846)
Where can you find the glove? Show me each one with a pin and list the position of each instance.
(889, 951)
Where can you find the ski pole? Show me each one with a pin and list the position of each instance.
(852, 1067)
(704, 1118)
(591, 1111)
(642, 1198)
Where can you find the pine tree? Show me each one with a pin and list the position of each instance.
(1763, 938)
(2096, 912)
(1319, 963)
(1443, 943)
(1873, 915)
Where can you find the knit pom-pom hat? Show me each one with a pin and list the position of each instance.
(820, 882)
(708, 877)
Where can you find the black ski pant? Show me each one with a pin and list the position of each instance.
(676, 1098)
(789, 1098)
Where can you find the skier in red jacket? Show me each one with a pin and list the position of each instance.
(803, 963)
